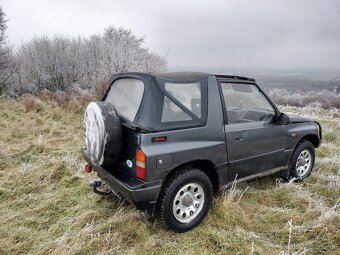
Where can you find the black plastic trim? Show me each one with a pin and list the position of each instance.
(320, 131)
(142, 194)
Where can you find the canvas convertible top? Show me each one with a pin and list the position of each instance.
(167, 101)
(177, 76)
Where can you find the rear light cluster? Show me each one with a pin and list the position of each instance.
(140, 165)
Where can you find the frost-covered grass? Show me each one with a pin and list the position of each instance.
(47, 206)
(316, 98)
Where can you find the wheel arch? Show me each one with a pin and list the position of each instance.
(205, 166)
(314, 139)
(290, 170)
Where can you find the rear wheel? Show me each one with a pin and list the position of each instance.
(185, 200)
(302, 160)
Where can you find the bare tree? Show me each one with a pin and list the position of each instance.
(119, 50)
(3, 25)
(57, 63)
(7, 64)
(51, 64)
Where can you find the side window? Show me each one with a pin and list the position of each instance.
(245, 103)
(189, 95)
(171, 112)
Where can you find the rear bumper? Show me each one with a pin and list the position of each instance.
(142, 194)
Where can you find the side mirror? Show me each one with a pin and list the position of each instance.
(283, 119)
(270, 118)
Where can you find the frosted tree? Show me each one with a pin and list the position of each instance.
(118, 50)
(51, 64)
(7, 64)
(57, 63)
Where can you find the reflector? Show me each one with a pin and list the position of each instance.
(88, 169)
(159, 139)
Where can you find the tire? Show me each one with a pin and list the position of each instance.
(102, 133)
(195, 201)
(302, 161)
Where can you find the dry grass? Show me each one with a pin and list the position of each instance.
(74, 100)
(31, 103)
(47, 206)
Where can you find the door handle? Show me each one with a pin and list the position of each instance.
(238, 139)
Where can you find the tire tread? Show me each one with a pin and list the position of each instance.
(170, 184)
(303, 144)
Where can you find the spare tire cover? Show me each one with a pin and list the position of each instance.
(102, 133)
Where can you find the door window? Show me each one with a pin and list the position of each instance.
(245, 103)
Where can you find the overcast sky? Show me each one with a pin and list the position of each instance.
(247, 34)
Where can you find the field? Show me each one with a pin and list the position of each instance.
(47, 206)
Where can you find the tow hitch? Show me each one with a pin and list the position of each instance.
(97, 184)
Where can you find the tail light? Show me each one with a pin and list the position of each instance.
(140, 165)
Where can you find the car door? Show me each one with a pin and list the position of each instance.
(255, 140)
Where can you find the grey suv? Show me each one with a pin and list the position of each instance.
(167, 142)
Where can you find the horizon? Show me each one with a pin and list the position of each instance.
(257, 71)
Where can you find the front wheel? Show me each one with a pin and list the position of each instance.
(302, 160)
(185, 200)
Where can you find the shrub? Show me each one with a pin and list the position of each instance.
(74, 100)
(31, 103)
(101, 87)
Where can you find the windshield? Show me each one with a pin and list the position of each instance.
(126, 96)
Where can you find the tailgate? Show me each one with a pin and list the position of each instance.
(127, 160)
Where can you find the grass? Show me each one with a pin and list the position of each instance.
(47, 206)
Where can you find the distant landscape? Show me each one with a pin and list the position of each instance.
(298, 82)
(299, 88)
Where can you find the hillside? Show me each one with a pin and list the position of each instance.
(47, 206)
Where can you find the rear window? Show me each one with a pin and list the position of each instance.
(189, 95)
(126, 96)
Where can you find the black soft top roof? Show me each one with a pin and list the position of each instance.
(182, 76)
(178, 76)
(149, 114)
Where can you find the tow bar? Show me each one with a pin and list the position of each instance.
(97, 184)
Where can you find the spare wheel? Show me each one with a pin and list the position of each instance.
(102, 133)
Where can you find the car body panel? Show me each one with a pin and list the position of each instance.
(254, 147)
